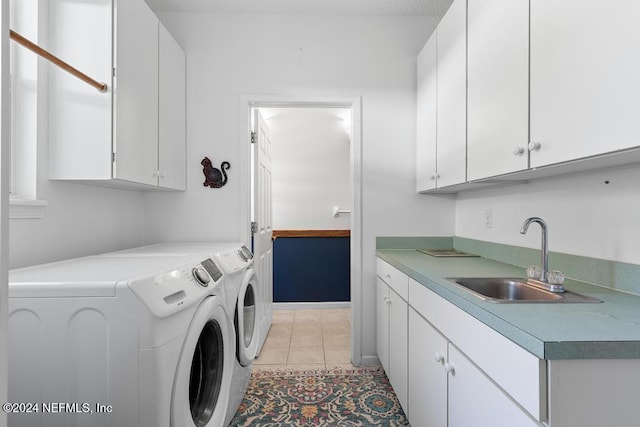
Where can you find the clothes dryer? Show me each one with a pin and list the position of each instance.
(120, 341)
(242, 295)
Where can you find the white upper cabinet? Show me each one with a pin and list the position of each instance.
(426, 109)
(441, 103)
(136, 93)
(585, 88)
(132, 136)
(498, 87)
(172, 109)
(452, 95)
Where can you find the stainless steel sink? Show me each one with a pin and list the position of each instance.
(511, 290)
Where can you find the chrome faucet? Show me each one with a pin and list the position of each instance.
(545, 251)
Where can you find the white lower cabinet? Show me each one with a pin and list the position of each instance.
(447, 389)
(392, 328)
(428, 380)
(475, 400)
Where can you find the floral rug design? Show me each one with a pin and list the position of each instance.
(324, 397)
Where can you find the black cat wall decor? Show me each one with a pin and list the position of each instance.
(214, 177)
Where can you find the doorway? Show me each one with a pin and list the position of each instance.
(353, 106)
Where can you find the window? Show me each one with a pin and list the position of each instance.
(25, 118)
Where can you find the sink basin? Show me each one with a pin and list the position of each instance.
(511, 290)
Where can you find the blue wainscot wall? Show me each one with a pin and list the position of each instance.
(311, 269)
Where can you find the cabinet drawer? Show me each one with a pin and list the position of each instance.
(397, 280)
(521, 374)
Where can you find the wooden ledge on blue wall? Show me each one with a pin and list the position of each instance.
(310, 233)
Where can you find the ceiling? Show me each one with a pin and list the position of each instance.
(435, 8)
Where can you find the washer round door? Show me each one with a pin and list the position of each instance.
(202, 383)
(246, 319)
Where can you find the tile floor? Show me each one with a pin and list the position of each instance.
(306, 339)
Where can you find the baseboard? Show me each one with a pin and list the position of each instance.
(370, 361)
(311, 305)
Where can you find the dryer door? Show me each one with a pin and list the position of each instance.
(246, 319)
(202, 383)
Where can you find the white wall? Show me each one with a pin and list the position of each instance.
(586, 215)
(310, 168)
(230, 55)
(5, 136)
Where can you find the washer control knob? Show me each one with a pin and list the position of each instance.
(201, 276)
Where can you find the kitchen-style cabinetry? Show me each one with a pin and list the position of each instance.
(392, 328)
(461, 371)
(428, 378)
(498, 87)
(122, 137)
(441, 120)
(426, 113)
(171, 112)
(584, 78)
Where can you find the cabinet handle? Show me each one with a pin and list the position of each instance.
(518, 151)
(534, 146)
(388, 276)
(439, 358)
(432, 177)
(450, 369)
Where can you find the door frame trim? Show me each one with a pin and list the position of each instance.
(353, 102)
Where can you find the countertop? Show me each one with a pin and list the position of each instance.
(607, 330)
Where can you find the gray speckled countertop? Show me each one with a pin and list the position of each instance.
(607, 330)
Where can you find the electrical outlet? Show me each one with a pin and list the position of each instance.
(488, 218)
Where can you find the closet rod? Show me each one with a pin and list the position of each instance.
(18, 38)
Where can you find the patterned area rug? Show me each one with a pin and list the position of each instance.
(327, 397)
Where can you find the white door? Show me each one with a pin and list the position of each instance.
(262, 243)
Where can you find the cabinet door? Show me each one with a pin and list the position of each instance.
(428, 379)
(426, 113)
(476, 400)
(136, 93)
(498, 87)
(79, 116)
(172, 108)
(452, 95)
(382, 323)
(584, 78)
(398, 330)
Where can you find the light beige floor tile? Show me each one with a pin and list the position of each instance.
(337, 356)
(304, 340)
(272, 356)
(303, 367)
(277, 342)
(307, 315)
(307, 355)
(281, 329)
(258, 367)
(337, 341)
(340, 366)
(283, 316)
(278, 338)
(336, 328)
(307, 328)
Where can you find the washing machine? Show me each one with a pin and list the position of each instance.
(242, 298)
(243, 303)
(120, 341)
